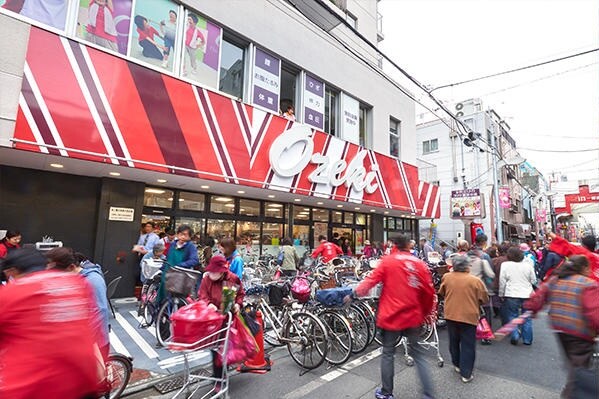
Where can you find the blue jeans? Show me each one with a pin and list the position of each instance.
(512, 309)
(390, 338)
(462, 346)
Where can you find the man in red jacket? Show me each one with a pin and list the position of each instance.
(407, 298)
(562, 247)
(327, 250)
(47, 345)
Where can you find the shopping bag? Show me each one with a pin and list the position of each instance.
(195, 322)
(242, 344)
(483, 330)
(300, 289)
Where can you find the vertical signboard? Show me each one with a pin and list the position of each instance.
(350, 118)
(314, 102)
(504, 197)
(266, 80)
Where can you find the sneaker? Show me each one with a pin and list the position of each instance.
(467, 380)
(456, 369)
(378, 394)
(485, 342)
(514, 341)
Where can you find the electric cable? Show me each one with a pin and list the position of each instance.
(560, 151)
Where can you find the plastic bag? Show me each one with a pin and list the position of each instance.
(242, 344)
(194, 322)
(483, 330)
(333, 297)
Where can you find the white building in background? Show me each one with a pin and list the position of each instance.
(445, 160)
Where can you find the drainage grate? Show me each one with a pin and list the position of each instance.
(176, 382)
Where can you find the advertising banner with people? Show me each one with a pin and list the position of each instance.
(467, 204)
(154, 32)
(266, 80)
(201, 52)
(48, 12)
(105, 23)
(314, 102)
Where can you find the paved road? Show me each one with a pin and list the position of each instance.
(502, 371)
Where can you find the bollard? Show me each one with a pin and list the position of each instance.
(259, 364)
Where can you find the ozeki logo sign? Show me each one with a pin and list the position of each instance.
(293, 150)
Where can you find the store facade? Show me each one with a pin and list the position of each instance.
(102, 143)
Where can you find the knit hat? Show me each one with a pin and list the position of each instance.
(524, 247)
(217, 264)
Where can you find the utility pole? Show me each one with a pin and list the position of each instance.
(498, 220)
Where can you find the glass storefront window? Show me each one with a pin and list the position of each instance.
(196, 224)
(348, 218)
(320, 215)
(221, 204)
(301, 238)
(232, 66)
(359, 241)
(219, 229)
(271, 237)
(248, 239)
(163, 223)
(301, 213)
(158, 197)
(274, 210)
(337, 217)
(360, 218)
(249, 207)
(192, 201)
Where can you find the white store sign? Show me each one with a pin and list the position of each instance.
(350, 119)
(118, 214)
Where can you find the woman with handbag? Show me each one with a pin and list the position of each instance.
(290, 258)
(574, 315)
(464, 293)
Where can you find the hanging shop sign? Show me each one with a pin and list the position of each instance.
(504, 197)
(467, 204)
(266, 78)
(314, 102)
(293, 151)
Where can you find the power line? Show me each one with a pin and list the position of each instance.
(515, 69)
(561, 151)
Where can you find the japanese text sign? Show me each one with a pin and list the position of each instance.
(314, 102)
(266, 80)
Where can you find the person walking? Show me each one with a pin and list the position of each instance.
(407, 298)
(574, 314)
(232, 255)
(562, 247)
(291, 258)
(327, 250)
(496, 265)
(11, 241)
(480, 266)
(516, 283)
(464, 294)
(368, 251)
(147, 239)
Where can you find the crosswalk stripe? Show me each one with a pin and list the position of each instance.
(176, 360)
(144, 346)
(140, 319)
(117, 345)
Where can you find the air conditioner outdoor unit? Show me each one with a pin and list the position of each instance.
(468, 107)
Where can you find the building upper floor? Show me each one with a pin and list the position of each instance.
(272, 54)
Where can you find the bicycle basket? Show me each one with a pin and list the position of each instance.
(180, 282)
(332, 297)
(149, 267)
(277, 293)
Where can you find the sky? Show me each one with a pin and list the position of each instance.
(554, 107)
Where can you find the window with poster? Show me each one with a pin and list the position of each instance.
(271, 237)
(247, 238)
(400, 226)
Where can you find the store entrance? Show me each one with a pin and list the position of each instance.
(345, 233)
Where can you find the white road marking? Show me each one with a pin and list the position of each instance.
(330, 376)
(173, 361)
(144, 346)
(151, 329)
(117, 345)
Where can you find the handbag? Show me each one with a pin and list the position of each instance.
(180, 282)
(483, 329)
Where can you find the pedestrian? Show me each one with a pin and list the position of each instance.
(574, 314)
(168, 239)
(368, 251)
(47, 342)
(219, 275)
(232, 255)
(550, 260)
(289, 266)
(413, 249)
(147, 239)
(65, 259)
(346, 246)
(407, 298)
(564, 248)
(11, 241)
(445, 251)
(205, 251)
(529, 256)
(425, 248)
(336, 239)
(464, 294)
(157, 254)
(516, 283)
(496, 265)
(480, 266)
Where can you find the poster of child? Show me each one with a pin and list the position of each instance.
(105, 23)
(50, 12)
(154, 32)
(202, 50)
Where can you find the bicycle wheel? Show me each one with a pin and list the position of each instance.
(306, 339)
(370, 318)
(163, 319)
(340, 337)
(118, 373)
(149, 307)
(359, 327)
(272, 326)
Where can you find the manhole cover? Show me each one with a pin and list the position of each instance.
(176, 382)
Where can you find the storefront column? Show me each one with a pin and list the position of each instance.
(377, 228)
(115, 238)
(289, 222)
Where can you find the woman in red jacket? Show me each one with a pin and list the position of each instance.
(216, 277)
(11, 241)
